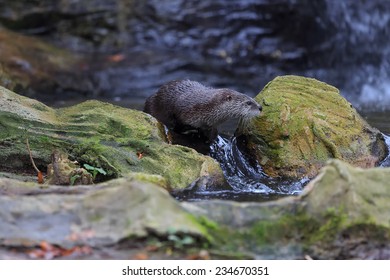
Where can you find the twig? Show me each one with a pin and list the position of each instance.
(39, 173)
(31, 158)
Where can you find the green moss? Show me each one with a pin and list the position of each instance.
(94, 154)
(207, 223)
(304, 123)
(368, 231)
(334, 222)
(40, 107)
(297, 231)
(287, 227)
(142, 146)
(114, 128)
(99, 134)
(150, 178)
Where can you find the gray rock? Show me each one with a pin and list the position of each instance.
(342, 214)
(101, 215)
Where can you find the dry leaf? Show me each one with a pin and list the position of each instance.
(140, 155)
(141, 256)
(40, 178)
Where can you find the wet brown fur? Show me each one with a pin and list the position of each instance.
(187, 103)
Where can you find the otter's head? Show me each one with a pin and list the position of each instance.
(233, 104)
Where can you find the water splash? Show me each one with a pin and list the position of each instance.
(247, 180)
(245, 176)
(386, 161)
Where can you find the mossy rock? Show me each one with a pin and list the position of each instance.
(343, 213)
(361, 195)
(304, 123)
(28, 65)
(117, 139)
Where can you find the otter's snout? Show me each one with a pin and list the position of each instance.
(257, 107)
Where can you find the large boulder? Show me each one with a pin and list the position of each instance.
(113, 138)
(304, 123)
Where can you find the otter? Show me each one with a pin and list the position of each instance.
(184, 105)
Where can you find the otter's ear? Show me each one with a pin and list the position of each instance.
(228, 97)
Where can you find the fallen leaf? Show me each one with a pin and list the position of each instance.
(141, 256)
(140, 155)
(45, 246)
(48, 251)
(152, 248)
(202, 255)
(40, 178)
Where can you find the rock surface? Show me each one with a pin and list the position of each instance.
(337, 217)
(304, 123)
(343, 213)
(29, 65)
(117, 139)
(96, 216)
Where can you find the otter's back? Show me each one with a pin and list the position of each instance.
(161, 105)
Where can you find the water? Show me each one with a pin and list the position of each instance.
(238, 44)
(247, 180)
(386, 161)
(246, 177)
(380, 120)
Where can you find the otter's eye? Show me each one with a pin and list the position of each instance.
(229, 97)
(249, 103)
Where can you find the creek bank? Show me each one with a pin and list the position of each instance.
(336, 217)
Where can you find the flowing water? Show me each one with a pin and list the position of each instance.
(250, 183)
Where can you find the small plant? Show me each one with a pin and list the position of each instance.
(94, 170)
(179, 241)
(74, 178)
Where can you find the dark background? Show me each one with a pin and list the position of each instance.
(127, 49)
